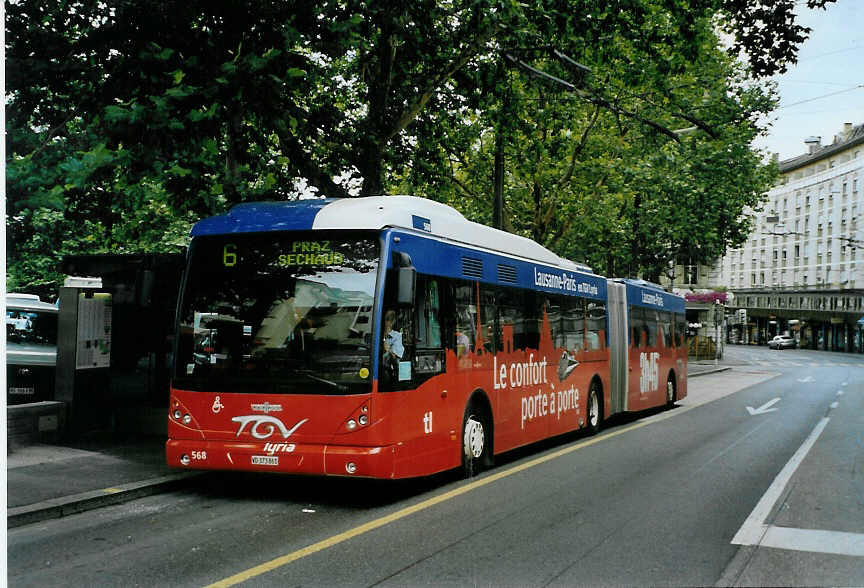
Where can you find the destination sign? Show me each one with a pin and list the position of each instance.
(311, 253)
(296, 253)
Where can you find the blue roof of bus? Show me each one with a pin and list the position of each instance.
(375, 213)
(649, 294)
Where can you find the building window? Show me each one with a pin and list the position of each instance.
(691, 274)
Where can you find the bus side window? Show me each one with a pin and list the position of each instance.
(428, 313)
(554, 314)
(511, 325)
(491, 337)
(650, 327)
(596, 321)
(680, 330)
(574, 324)
(428, 352)
(637, 321)
(466, 318)
(668, 328)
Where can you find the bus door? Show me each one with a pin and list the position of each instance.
(618, 347)
(412, 375)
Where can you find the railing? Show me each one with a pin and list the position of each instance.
(701, 347)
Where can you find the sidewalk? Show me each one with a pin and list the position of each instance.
(705, 367)
(52, 481)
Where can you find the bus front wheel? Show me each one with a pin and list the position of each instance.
(476, 441)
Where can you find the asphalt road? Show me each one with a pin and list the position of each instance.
(656, 499)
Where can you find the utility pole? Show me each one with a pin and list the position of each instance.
(498, 198)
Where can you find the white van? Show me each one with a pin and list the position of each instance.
(31, 348)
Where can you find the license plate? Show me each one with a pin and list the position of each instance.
(265, 460)
(24, 391)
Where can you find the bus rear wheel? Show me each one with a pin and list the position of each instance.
(476, 441)
(594, 409)
(670, 390)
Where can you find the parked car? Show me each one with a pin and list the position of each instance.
(31, 348)
(783, 342)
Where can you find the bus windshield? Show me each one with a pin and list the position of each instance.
(281, 313)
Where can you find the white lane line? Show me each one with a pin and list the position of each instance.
(834, 542)
(754, 528)
(839, 392)
(835, 404)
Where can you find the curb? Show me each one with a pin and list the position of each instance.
(710, 371)
(67, 505)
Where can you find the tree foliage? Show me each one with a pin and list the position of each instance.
(128, 120)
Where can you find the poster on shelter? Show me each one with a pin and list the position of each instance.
(94, 332)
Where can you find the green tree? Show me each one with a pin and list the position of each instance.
(130, 119)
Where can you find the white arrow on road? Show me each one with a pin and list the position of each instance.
(764, 408)
(806, 380)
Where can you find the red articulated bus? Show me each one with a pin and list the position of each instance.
(389, 337)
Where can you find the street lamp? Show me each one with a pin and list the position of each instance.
(719, 313)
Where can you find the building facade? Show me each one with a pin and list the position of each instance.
(801, 271)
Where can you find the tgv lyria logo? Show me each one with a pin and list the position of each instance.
(263, 426)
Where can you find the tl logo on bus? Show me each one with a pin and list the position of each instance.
(649, 379)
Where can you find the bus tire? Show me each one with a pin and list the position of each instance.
(476, 439)
(671, 391)
(594, 409)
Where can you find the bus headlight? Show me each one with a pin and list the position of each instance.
(351, 424)
(184, 459)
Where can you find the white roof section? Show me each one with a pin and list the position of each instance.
(377, 212)
(28, 302)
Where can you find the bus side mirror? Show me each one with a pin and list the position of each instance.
(406, 280)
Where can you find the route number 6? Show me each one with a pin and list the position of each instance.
(229, 255)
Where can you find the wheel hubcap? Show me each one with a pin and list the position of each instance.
(593, 409)
(474, 438)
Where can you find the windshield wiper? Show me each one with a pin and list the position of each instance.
(331, 383)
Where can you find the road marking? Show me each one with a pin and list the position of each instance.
(764, 408)
(835, 404)
(421, 506)
(754, 528)
(806, 380)
(839, 392)
(814, 540)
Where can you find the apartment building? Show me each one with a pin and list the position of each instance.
(802, 269)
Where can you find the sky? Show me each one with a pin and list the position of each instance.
(831, 61)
